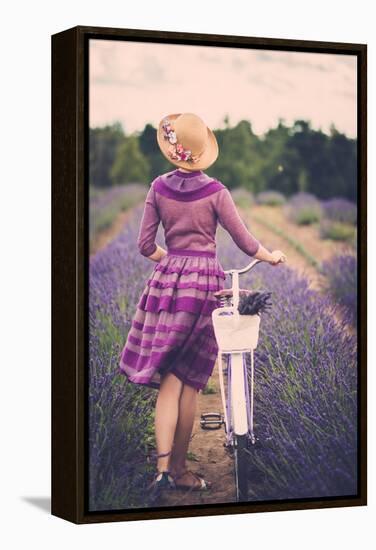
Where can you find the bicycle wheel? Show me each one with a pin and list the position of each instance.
(241, 467)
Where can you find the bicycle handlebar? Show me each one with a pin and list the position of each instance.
(246, 268)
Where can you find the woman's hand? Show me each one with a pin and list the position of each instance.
(272, 258)
(158, 254)
(277, 257)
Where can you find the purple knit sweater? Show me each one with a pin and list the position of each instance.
(190, 205)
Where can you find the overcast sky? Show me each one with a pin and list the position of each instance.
(138, 82)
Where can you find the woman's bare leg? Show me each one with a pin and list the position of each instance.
(166, 416)
(187, 410)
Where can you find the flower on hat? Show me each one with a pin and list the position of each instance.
(172, 152)
(176, 150)
(185, 155)
(172, 137)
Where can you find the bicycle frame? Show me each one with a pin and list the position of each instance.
(237, 418)
(238, 406)
(236, 335)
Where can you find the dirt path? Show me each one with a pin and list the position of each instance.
(307, 236)
(210, 457)
(277, 242)
(106, 236)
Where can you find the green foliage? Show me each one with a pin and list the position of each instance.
(103, 146)
(337, 231)
(270, 198)
(130, 164)
(307, 216)
(286, 159)
(280, 166)
(106, 205)
(210, 388)
(293, 242)
(150, 149)
(329, 160)
(242, 197)
(192, 456)
(304, 209)
(239, 152)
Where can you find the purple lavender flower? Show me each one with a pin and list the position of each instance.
(341, 276)
(305, 384)
(340, 210)
(305, 389)
(106, 205)
(270, 198)
(303, 208)
(120, 413)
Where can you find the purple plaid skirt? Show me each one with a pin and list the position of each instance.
(172, 329)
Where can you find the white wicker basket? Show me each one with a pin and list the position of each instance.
(235, 332)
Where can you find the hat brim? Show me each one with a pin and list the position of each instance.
(207, 158)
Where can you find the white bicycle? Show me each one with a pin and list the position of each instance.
(236, 336)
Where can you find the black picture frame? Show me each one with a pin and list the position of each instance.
(70, 269)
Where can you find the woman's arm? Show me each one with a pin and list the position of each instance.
(148, 229)
(158, 254)
(229, 218)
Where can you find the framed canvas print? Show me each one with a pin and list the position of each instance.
(209, 209)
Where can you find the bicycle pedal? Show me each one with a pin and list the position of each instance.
(211, 421)
(253, 441)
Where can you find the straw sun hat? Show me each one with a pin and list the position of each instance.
(187, 142)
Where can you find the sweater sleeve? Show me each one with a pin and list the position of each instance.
(229, 218)
(149, 225)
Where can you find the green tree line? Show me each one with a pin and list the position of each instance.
(286, 158)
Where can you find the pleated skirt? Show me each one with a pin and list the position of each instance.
(172, 329)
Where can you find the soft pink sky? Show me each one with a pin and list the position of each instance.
(136, 83)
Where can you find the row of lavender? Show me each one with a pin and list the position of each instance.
(105, 205)
(120, 413)
(337, 217)
(305, 389)
(307, 410)
(305, 392)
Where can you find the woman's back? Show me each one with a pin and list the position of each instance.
(189, 206)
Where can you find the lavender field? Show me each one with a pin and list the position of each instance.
(306, 383)
(107, 204)
(305, 390)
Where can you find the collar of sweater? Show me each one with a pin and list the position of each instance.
(178, 180)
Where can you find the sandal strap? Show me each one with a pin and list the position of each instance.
(157, 480)
(163, 454)
(186, 471)
(158, 473)
(200, 479)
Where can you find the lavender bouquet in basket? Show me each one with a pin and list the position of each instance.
(253, 302)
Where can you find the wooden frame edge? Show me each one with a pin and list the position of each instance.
(69, 147)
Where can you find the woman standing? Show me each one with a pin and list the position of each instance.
(171, 344)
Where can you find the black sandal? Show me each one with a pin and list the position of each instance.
(162, 479)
